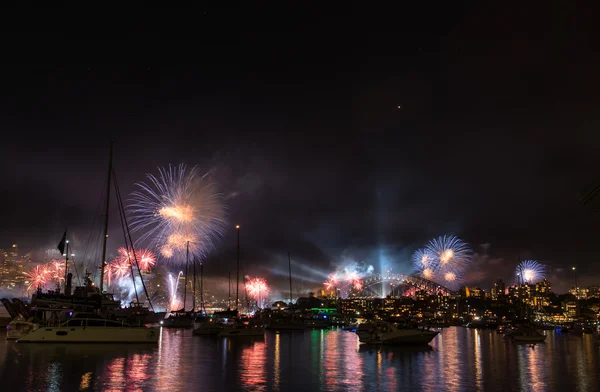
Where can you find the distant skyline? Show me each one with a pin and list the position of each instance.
(329, 145)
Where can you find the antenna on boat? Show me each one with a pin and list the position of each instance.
(194, 286)
(237, 283)
(187, 255)
(202, 310)
(290, 267)
(103, 261)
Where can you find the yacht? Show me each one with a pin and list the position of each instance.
(389, 334)
(207, 329)
(20, 327)
(179, 320)
(91, 328)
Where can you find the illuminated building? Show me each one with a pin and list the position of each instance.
(498, 290)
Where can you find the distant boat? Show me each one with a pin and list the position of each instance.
(528, 335)
(388, 334)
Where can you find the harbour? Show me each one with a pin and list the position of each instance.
(459, 359)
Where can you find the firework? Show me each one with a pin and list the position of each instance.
(422, 259)
(444, 261)
(175, 209)
(173, 284)
(146, 259)
(348, 277)
(56, 270)
(37, 276)
(449, 250)
(332, 282)
(530, 271)
(257, 289)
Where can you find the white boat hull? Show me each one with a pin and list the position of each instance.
(92, 335)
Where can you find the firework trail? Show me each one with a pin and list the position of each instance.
(257, 289)
(530, 271)
(173, 284)
(175, 207)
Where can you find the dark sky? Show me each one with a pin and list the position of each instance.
(297, 112)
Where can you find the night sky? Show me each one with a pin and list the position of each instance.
(332, 136)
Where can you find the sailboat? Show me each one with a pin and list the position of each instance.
(282, 322)
(98, 324)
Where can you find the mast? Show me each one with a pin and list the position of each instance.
(229, 301)
(201, 289)
(290, 267)
(187, 254)
(194, 286)
(66, 266)
(237, 282)
(107, 205)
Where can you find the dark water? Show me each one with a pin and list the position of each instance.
(459, 359)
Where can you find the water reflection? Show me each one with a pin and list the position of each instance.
(459, 359)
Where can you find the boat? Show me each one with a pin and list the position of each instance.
(20, 327)
(316, 323)
(97, 322)
(91, 328)
(527, 334)
(180, 319)
(207, 328)
(242, 330)
(388, 334)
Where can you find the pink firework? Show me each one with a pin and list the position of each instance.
(257, 289)
(331, 282)
(120, 268)
(37, 276)
(57, 270)
(146, 258)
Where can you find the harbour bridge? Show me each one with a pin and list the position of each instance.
(396, 285)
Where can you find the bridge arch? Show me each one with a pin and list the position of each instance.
(381, 285)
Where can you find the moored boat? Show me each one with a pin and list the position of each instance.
(20, 327)
(90, 328)
(389, 334)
